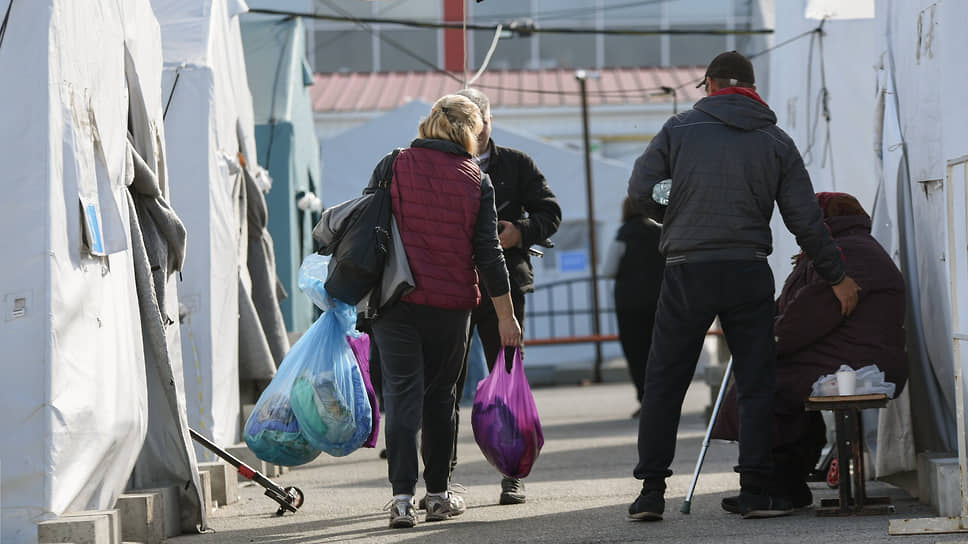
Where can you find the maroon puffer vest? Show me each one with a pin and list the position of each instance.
(436, 197)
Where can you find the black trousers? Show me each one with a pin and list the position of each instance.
(484, 317)
(741, 294)
(635, 335)
(422, 351)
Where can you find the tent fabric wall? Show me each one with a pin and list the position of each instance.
(288, 148)
(158, 237)
(892, 82)
(208, 122)
(76, 408)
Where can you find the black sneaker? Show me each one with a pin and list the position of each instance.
(763, 506)
(648, 506)
(512, 491)
(731, 505)
(801, 496)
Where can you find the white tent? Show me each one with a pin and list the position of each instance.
(349, 157)
(74, 395)
(894, 79)
(209, 121)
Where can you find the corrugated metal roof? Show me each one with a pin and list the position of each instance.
(381, 91)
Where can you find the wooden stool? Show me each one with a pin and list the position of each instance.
(850, 449)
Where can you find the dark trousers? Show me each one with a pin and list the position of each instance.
(421, 353)
(635, 335)
(484, 317)
(741, 294)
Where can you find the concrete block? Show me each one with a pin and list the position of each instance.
(142, 516)
(948, 494)
(205, 480)
(114, 521)
(79, 528)
(244, 454)
(225, 483)
(171, 505)
(928, 476)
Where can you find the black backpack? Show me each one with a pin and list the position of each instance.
(360, 253)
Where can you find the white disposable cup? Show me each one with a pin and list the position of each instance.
(846, 382)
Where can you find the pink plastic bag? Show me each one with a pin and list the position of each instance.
(505, 419)
(361, 349)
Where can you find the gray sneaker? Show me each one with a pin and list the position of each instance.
(439, 508)
(402, 513)
(454, 487)
(512, 491)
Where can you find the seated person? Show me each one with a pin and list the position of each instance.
(813, 340)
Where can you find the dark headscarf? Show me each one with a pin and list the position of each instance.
(837, 204)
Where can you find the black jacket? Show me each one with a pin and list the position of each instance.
(639, 276)
(729, 163)
(522, 197)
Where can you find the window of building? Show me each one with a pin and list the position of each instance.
(343, 51)
(633, 51)
(566, 51)
(421, 43)
(695, 50)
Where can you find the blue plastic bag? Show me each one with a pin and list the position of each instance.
(312, 276)
(317, 400)
(505, 419)
(328, 396)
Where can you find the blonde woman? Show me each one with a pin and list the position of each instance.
(445, 210)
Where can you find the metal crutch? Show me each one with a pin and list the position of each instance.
(705, 441)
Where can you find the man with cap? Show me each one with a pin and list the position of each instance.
(728, 163)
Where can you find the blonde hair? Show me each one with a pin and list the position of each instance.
(456, 119)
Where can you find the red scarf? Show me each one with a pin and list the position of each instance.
(743, 91)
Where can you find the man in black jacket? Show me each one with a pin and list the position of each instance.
(528, 213)
(729, 163)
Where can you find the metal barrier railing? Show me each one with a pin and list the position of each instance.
(553, 309)
(551, 320)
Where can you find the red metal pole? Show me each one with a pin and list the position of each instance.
(454, 39)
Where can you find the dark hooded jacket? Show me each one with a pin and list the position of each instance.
(729, 163)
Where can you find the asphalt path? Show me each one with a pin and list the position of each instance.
(579, 491)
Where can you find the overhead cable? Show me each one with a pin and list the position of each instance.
(531, 29)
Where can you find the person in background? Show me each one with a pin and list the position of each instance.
(445, 212)
(528, 213)
(728, 163)
(813, 340)
(633, 259)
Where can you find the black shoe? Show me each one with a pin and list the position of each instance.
(512, 491)
(801, 496)
(731, 504)
(763, 506)
(648, 506)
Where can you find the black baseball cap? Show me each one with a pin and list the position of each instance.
(730, 65)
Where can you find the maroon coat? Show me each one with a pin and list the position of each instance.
(813, 339)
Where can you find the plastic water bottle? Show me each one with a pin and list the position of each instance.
(660, 192)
